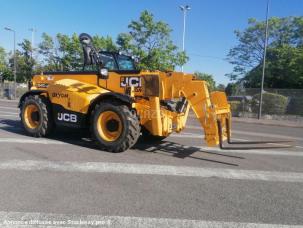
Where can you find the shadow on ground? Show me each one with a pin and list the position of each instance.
(82, 138)
(180, 151)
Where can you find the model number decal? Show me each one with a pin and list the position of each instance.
(60, 95)
(42, 85)
(131, 81)
(67, 117)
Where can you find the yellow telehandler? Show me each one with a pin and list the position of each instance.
(119, 103)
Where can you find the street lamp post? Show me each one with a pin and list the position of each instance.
(33, 30)
(264, 62)
(15, 61)
(184, 10)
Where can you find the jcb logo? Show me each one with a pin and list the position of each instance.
(130, 81)
(67, 117)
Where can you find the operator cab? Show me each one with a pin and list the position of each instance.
(105, 60)
(115, 61)
(101, 61)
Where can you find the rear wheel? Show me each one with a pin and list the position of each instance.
(35, 115)
(114, 127)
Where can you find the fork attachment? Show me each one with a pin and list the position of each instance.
(229, 141)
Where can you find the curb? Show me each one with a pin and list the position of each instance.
(263, 122)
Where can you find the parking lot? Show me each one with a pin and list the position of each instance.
(176, 183)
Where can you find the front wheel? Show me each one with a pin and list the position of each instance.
(114, 127)
(35, 112)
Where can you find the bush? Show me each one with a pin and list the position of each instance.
(295, 106)
(236, 108)
(273, 104)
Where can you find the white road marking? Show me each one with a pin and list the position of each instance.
(262, 152)
(274, 144)
(187, 135)
(14, 113)
(29, 141)
(146, 169)
(206, 149)
(29, 220)
(11, 108)
(197, 136)
(270, 135)
(6, 100)
(193, 127)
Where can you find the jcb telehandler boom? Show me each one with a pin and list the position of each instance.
(119, 103)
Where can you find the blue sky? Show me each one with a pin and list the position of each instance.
(210, 23)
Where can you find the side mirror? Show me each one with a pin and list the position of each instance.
(135, 58)
(103, 73)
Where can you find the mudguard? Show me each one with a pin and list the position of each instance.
(126, 99)
(30, 92)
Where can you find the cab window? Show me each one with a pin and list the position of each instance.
(108, 61)
(125, 62)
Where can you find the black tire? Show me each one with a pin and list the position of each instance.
(130, 127)
(146, 136)
(44, 124)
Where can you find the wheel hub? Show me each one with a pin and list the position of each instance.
(109, 126)
(31, 116)
(35, 116)
(112, 125)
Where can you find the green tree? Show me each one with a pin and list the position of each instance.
(5, 71)
(283, 57)
(68, 55)
(2, 58)
(25, 62)
(284, 69)
(3, 64)
(231, 89)
(208, 78)
(150, 41)
(104, 43)
(70, 52)
(221, 87)
(49, 54)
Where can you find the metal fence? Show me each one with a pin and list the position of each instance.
(7, 90)
(285, 104)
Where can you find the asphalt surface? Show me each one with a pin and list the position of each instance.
(177, 183)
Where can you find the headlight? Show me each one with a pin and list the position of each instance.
(104, 72)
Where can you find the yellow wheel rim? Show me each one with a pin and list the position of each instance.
(31, 116)
(109, 126)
